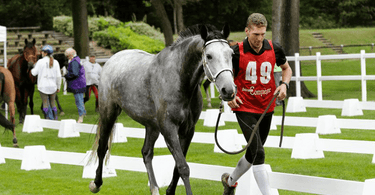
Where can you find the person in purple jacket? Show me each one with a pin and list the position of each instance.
(76, 81)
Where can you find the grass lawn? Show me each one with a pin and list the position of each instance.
(67, 179)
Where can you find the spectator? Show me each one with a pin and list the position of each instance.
(76, 81)
(49, 79)
(92, 70)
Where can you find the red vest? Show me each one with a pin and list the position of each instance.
(255, 81)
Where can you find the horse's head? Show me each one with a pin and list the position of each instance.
(62, 59)
(30, 52)
(217, 61)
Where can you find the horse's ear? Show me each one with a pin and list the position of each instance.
(225, 31)
(204, 32)
(34, 41)
(26, 41)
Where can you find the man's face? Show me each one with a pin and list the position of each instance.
(92, 59)
(255, 36)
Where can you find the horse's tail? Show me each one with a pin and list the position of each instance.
(95, 146)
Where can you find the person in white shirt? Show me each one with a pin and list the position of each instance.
(49, 79)
(92, 71)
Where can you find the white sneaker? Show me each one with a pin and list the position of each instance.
(80, 119)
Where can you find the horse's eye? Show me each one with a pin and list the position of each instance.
(209, 56)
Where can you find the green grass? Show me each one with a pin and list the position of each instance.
(67, 179)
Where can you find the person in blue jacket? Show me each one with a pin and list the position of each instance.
(76, 81)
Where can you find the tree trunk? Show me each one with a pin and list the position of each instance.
(180, 16)
(80, 28)
(165, 23)
(285, 30)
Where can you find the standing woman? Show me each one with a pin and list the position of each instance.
(49, 79)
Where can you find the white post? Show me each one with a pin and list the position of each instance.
(212, 88)
(319, 75)
(298, 74)
(363, 74)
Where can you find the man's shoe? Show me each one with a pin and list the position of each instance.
(228, 190)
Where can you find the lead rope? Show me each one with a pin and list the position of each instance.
(255, 128)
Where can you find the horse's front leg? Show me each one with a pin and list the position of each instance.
(31, 103)
(172, 139)
(184, 143)
(148, 154)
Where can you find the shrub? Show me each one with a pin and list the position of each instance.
(63, 24)
(145, 29)
(121, 38)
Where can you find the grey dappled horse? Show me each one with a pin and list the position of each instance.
(162, 92)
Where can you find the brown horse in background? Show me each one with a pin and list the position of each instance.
(20, 66)
(8, 95)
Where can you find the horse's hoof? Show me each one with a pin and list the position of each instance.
(93, 187)
(15, 145)
(62, 113)
(155, 191)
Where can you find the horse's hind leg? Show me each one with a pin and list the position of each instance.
(106, 122)
(12, 112)
(148, 154)
(184, 143)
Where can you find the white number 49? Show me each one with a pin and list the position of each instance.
(265, 72)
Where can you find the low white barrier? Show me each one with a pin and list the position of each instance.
(331, 145)
(285, 181)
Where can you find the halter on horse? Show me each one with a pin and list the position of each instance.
(162, 92)
(20, 66)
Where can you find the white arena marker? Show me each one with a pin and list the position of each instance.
(211, 118)
(119, 134)
(228, 141)
(32, 124)
(35, 158)
(351, 107)
(89, 168)
(68, 129)
(2, 159)
(160, 142)
(306, 146)
(369, 187)
(163, 169)
(295, 104)
(327, 124)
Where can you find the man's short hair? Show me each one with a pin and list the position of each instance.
(256, 19)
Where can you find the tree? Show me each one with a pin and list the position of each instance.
(165, 23)
(80, 28)
(285, 30)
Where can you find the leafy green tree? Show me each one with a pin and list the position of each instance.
(18, 13)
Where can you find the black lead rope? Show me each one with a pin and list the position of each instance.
(255, 128)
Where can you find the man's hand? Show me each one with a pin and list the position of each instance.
(235, 102)
(282, 90)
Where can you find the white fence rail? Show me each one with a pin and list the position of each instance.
(319, 78)
(285, 181)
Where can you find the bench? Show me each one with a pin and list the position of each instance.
(17, 29)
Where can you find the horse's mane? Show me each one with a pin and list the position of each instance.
(213, 32)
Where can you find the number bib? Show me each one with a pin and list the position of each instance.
(255, 81)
